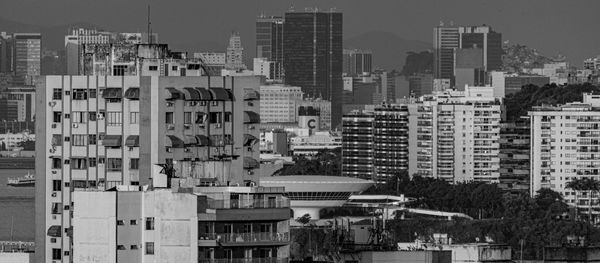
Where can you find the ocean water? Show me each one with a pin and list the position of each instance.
(17, 215)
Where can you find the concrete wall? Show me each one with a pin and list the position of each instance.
(94, 227)
(16, 257)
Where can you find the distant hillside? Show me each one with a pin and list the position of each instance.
(518, 57)
(389, 50)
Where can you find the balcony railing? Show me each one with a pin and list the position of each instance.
(246, 237)
(248, 204)
(244, 260)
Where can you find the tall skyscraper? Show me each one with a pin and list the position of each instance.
(6, 51)
(234, 58)
(312, 56)
(357, 61)
(97, 132)
(375, 143)
(269, 38)
(27, 56)
(445, 40)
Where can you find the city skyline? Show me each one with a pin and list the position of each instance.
(407, 19)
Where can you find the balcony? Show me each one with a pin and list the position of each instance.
(245, 238)
(248, 203)
(244, 260)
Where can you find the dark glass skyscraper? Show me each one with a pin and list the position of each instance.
(269, 38)
(485, 38)
(312, 56)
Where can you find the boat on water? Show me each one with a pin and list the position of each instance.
(24, 181)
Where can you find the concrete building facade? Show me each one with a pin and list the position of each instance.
(279, 103)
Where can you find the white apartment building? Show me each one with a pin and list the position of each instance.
(453, 135)
(565, 143)
(211, 58)
(279, 103)
(97, 132)
(270, 69)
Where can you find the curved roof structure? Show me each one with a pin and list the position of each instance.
(317, 183)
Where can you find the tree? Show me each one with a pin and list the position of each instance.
(585, 184)
(305, 219)
(575, 185)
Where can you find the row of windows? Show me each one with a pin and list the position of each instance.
(113, 118)
(112, 164)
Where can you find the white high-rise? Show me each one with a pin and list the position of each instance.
(565, 145)
(454, 135)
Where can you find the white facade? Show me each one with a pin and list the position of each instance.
(564, 147)
(279, 103)
(134, 226)
(235, 53)
(312, 144)
(454, 135)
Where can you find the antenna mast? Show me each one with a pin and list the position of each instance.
(149, 30)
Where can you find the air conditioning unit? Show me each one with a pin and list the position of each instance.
(170, 127)
(53, 194)
(52, 150)
(53, 125)
(52, 104)
(75, 125)
(186, 150)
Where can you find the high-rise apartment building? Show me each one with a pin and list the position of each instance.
(279, 102)
(270, 69)
(454, 135)
(375, 143)
(357, 62)
(420, 84)
(97, 132)
(514, 157)
(564, 147)
(312, 56)
(27, 56)
(234, 58)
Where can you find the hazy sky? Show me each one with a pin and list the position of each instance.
(569, 27)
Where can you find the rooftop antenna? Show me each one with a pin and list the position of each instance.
(149, 30)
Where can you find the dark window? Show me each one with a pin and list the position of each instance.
(215, 117)
(120, 222)
(79, 163)
(119, 70)
(56, 117)
(149, 248)
(187, 117)
(56, 208)
(56, 254)
(153, 68)
(56, 140)
(57, 94)
(56, 163)
(92, 162)
(56, 185)
(227, 116)
(92, 115)
(149, 223)
(92, 139)
(134, 163)
(79, 94)
(133, 222)
(93, 94)
(169, 118)
(114, 164)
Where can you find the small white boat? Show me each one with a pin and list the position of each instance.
(24, 181)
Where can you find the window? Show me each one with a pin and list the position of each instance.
(134, 117)
(149, 223)
(120, 247)
(56, 163)
(133, 222)
(134, 163)
(56, 140)
(169, 118)
(56, 208)
(174, 68)
(93, 94)
(187, 117)
(114, 164)
(56, 254)
(79, 94)
(92, 162)
(67, 92)
(114, 118)
(67, 116)
(79, 163)
(92, 139)
(119, 70)
(57, 94)
(92, 115)
(149, 248)
(56, 185)
(215, 117)
(153, 68)
(79, 140)
(120, 222)
(200, 117)
(56, 117)
(67, 139)
(227, 116)
(134, 247)
(215, 103)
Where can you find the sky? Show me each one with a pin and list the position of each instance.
(568, 27)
